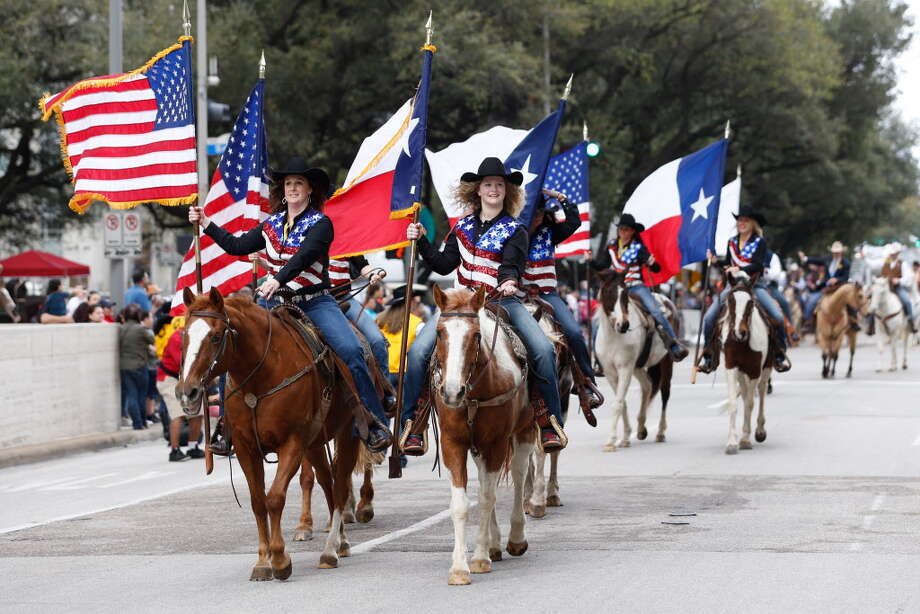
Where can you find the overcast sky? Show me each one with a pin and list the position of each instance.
(908, 102)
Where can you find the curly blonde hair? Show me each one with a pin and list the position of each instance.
(467, 194)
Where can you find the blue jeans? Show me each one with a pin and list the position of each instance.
(762, 296)
(539, 347)
(779, 298)
(371, 332)
(904, 295)
(134, 395)
(811, 298)
(652, 306)
(572, 332)
(324, 312)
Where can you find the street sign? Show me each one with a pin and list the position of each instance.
(112, 224)
(131, 229)
(122, 231)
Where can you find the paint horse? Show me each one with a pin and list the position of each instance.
(283, 396)
(628, 345)
(479, 387)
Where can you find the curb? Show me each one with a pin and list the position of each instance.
(85, 443)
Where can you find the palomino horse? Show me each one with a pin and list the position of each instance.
(891, 323)
(628, 345)
(744, 333)
(280, 398)
(479, 386)
(833, 324)
(795, 307)
(541, 492)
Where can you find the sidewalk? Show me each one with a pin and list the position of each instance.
(85, 443)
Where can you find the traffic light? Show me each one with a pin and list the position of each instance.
(593, 149)
(218, 112)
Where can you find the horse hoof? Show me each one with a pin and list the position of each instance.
(553, 501)
(745, 445)
(760, 436)
(642, 434)
(303, 536)
(516, 549)
(623, 443)
(480, 566)
(348, 517)
(609, 447)
(283, 573)
(365, 515)
(458, 578)
(660, 438)
(260, 573)
(538, 511)
(344, 550)
(495, 555)
(731, 449)
(328, 561)
(528, 508)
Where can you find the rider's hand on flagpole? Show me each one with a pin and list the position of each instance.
(507, 287)
(802, 256)
(414, 231)
(373, 274)
(651, 260)
(554, 194)
(196, 214)
(732, 269)
(268, 288)
(710, 256)
(258, 259)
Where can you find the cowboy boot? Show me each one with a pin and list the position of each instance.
(552, 437)
(379, 436)
(676, 349)
(416, 444)
(589, 397)
(220, 442)
(780, 361)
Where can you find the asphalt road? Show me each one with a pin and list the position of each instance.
(822, 517)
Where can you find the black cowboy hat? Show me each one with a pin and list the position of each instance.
(493, 167)
(317, 177)
(630, 222)
(399, 294)
(746, 211)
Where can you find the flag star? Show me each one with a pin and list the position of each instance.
(413, 124)
(528, 176)
(701, 206)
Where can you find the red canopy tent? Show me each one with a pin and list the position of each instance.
(34, 263)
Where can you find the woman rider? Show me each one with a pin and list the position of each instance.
(746, 252)
(489, 248)
(627, 255)
(540, 276)
(296, 238)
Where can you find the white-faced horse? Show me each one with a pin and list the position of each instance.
(890, 323)
(628, 345)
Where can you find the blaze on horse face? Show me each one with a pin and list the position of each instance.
(613, 293)
(458, 344)
(202, 340)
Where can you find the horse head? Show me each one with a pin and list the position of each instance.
(878, 293)
(206, 334)
(615, 300)
(459, 342)
(739, 325)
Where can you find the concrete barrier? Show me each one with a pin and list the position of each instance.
(58, 382)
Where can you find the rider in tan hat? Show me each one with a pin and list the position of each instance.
(837, 272)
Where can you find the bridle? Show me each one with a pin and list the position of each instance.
(228, 332)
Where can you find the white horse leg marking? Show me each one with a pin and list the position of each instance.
(620, 410)
(488, 482)
(552, 486)
(731, 379)
(519, 459)
(330, 557)
(748, 396)
(537, 499)
(610, 370)
(196, 334)
(459, 512)
(645, 399)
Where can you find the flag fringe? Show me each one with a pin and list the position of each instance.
(402, 214)
(430, 48)
(370, 251)
(81, 202)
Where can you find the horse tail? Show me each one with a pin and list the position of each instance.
(654, 374)
(667, 370)
(366, 459)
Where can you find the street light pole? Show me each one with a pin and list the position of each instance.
(118, 278)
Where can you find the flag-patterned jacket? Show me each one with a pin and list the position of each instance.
(342, 271)
(541, 255)
(628, 261)
(750, 258)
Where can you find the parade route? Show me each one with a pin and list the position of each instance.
(822, 517)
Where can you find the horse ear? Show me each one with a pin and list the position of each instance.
(479, 298)
(217, 299)
(605, 276)
(439, 297)
(187, 296)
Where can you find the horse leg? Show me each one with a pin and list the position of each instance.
(255, 478)
(906, 341)
(552, 486)
(894, 353)
(346, 448)
(365, 512)
(645, 396)
(454, 455)
(667, 371)
(348, 514)
(614, 381)
(528, 480)
(289, 457)
(320, 462)
(761, 433)
(517, 540)
(481, 561)
(851, 341)
(731, 380)
(495, 537)
(304, 530)
(535, 505)
(619, 412)
(824, 369)
(745, 443)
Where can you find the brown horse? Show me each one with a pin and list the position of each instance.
(479, 385)
(280, 398)
(833, 325)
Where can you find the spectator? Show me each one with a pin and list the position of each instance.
(373, 299)
(134, 343)
(391, 321)
(93, 298)
(167, 377)
(55, 308)
(152, 396)
(78, 296)
(7, 304)
(108, 314)
(81, 313)
(137, 294)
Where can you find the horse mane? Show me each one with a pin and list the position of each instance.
(456, 298)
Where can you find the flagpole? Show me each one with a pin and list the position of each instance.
(699, 331)
(395, 463)
(588, 258)
(255, 263)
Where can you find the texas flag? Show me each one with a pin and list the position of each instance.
(383, 187)
(527, 151)
(679, 206)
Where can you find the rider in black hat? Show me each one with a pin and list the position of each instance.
(626, 255)
(296, 240)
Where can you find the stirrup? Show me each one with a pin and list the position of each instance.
(379, 436)
(678, 351)
(552, 446)
(781, 362)
(220, 445)
(706, 363)
(418, 446)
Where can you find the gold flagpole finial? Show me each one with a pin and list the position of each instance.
(186, 18)
(262, 65)
(738, 171)
(728, 128)
(428, 30)
(568, 87)
(584, 130)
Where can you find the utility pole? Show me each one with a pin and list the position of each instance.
(546, 75)
(118, 273)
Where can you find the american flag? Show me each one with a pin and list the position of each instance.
(568, 173)
(237, 202)
(130, 138)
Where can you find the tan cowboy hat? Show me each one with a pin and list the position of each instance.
(837, 246)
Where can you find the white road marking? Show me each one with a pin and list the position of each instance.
(36, 484)
(811, 382)
(77, 484)
(413, 528)
(144, 476)
(877, 503)
(868, 520)
(917, 441)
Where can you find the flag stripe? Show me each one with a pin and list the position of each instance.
(180, 148)
(96, 162)
(139, 183)
(167, 170)
(109, 107)
(120, 141)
